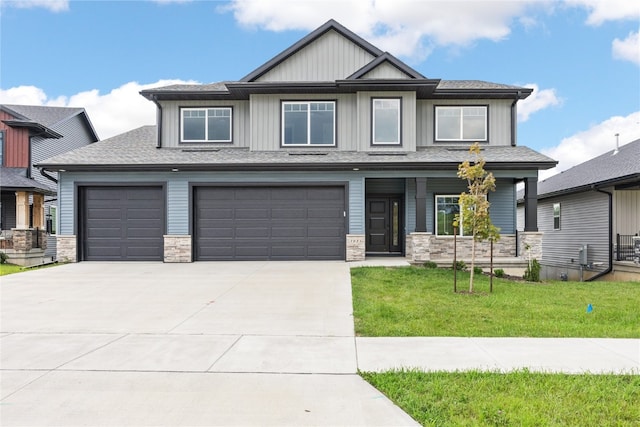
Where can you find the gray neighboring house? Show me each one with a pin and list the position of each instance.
(589, 215)
(28, 135)
(332, 150)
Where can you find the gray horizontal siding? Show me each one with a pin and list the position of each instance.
(499, 119)
(330, 57)
(75, 133)
(583, 221)
(171, 122)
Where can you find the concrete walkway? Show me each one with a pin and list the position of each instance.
(252, 343)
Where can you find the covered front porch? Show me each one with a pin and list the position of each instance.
(23, 233)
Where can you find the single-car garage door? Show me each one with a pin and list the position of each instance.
(122, 223)
(269, 223)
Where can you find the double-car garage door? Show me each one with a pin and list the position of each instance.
(229, 222)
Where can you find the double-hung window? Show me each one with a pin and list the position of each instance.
(206, 124)
(461, 123)
(385, 121)
(308, 123)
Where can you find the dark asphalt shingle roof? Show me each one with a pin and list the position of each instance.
(604, 169)
(16, 179)
(48, 116)
(137, 148)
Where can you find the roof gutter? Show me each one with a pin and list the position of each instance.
(46, 175)
(610, 243)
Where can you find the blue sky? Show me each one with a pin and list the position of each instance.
(581, 56)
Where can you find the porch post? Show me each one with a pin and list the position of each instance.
(531, 204)
(421, 205)
(38, 211)
(22, 210)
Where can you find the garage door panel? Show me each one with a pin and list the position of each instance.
(279, 222)
(123, 223)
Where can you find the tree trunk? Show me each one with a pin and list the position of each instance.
(473, 263)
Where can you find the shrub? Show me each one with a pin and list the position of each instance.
(498, 272)
(430, 264)
(532, 273)
(477, 270)
(3, 258)
(459, 265)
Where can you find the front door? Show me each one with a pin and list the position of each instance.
(384, 225)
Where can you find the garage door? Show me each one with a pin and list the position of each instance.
(274, 223)
(123, 223)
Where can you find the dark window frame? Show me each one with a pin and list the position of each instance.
(557, 218)
(309, 102)
(461, 140)
(205, 141)
(372, 120)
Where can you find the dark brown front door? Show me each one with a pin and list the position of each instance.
(384, 225)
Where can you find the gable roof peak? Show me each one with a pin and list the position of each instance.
(331, 24)
(389, 58)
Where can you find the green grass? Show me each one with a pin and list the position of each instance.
(9, 269)
(514, 399)
(420, 302)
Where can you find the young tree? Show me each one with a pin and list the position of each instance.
(474, 206)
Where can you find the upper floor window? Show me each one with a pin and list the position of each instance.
(386, 121)
(556, 216)
(206, 124)
(308, 123)
(461, 123)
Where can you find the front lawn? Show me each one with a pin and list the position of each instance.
(415, 301)
(518, 398)
(9, 269)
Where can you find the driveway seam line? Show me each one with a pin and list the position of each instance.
(224, 353)
(91, 351)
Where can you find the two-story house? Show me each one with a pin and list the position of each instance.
(30, 134)
(332, 150)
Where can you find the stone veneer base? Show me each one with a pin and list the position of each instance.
(177, 248)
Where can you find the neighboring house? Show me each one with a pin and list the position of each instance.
(331, 150)
(590, 215)
(28, 135)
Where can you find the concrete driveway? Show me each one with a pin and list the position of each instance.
(237, 343)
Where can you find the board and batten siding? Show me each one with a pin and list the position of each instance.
(179, 198)
(626, 208)
(385, 71)
(266, 117)
(584, 220)
(171, 123)
(330, 57)
(499, 112)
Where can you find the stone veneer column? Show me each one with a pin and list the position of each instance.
(419, 247)
(533, 239)
(66, 248)
(355, 247)
(177, 248)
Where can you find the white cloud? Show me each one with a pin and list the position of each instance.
(402, 27)
(538, 100)
(113, 113)
(601, 11)
(593, 142)
(52, 5)
(627, 49)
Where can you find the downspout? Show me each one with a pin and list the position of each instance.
(514, 120)
(46, 175)
(158, 121)
(610, 267)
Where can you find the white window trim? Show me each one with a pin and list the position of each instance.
(436, 214)
(206, 127)
(461, 108)
(398, 140)
(308, 103)
(559, 216)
